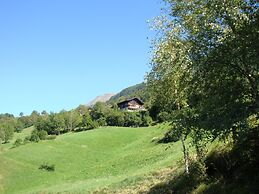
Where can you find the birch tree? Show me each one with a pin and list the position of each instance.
(206, 61)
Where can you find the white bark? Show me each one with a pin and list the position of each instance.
(186, 156)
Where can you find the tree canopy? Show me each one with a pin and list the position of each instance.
(205, 67)
(206, 58)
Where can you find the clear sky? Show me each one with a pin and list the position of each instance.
(57, 54)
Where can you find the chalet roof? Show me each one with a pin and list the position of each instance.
(128, 100)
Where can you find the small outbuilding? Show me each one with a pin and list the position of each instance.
(133, 104)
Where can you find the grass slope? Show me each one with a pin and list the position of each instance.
(25, 132)
(86, 161)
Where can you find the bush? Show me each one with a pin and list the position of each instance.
(42, 134)
(26, 140)
(102, 121)
(163, 117)
(47, 167)
(146, 119)
(34, 137)
(18, 142)
(95, 125)
(132, 119)
(115, 118)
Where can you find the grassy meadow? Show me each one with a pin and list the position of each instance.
(84, 162)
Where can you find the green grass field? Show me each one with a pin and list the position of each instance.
(87, 161)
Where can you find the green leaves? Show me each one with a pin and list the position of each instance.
(206, 59)
(7, 128)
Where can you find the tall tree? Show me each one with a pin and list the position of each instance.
(168, 81)
(206, 63)
(220, 44)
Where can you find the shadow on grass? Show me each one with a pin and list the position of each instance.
(227, 170)
(199, 182)
(223, 172)
(181, 183)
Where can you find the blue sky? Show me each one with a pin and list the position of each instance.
(57, 54)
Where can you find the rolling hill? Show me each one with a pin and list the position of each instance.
(84, 162)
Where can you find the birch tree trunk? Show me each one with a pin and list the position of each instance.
(186, 156)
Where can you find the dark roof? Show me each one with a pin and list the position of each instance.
(128, 100)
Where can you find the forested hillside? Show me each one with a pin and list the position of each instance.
(138, 90)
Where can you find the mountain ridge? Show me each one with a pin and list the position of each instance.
(101, 98)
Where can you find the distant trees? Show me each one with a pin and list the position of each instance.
(81, 118)
(6, 131)
(139, 90)
(78, 119)
(30, 120)
(8, 125)
(112, 116)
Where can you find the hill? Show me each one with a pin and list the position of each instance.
(138, 90)
(102, 98)
(103, 158)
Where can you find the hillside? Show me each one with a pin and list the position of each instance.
(138, 90)
(103, 158)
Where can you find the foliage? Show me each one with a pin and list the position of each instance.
(138, 90)
(8, 125)
(47, 167)
(56, 123)
(18, 142)
(115, 118)
(163, 117)
(34, 136)
(102, 121)
(132, 119)
(99, 110)
(205, 69)
(104, 115)
(7, 128)
(27, 139)
(42, 134)
(87, 122)
(146, 119)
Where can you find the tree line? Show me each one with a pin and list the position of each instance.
(81, 118)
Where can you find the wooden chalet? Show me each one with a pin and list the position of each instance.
(133, 104)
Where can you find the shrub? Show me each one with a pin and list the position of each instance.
(42, 134)
(95, 125)
(163, 117)
(47, 167)
(132, 119)
(146, 119)
(102, 121)
(18, 142)
(115, 118)
(34, 137)
(27, 139)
